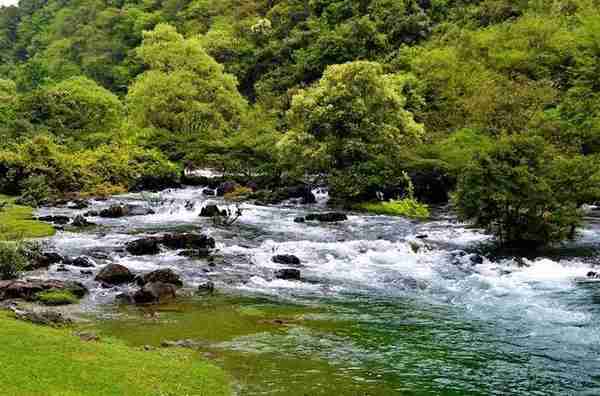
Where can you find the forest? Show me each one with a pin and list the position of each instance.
(491, 105)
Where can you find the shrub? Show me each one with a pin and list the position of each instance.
(525, 193)
(35, 191)
(12, 260)
(407, 207)
(57, 297)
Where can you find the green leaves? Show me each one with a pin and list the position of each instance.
(523, 191)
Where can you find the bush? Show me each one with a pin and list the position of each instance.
(407, 207)
(525, 193)
(12, 260)
(35, 191)
(37, 167)
(57, 297)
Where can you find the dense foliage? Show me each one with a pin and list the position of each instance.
(97, 95)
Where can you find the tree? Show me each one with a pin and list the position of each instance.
(184, 96)
(8, 103)
(525, 193)
(74, 108)
(351, 124)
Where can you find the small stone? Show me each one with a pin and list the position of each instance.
(299, 220)
(288, 274)
(207, 287)
(286, 259)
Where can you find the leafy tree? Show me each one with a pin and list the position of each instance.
(352, 124)
(525, 193)
(184, 96)
(74, 108)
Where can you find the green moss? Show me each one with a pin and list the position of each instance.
(57, 297)
(45, 361)
(407, 207)
(17, 222)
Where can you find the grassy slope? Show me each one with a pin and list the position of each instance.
(16, 222)
(37, 360)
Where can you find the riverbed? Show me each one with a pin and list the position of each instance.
(386, 305)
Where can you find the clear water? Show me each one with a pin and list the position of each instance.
(379, 311)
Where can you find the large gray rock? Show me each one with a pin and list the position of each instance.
(143, 247)
(115, 274)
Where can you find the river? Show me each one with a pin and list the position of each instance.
(386, 306)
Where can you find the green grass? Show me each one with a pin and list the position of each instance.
(17, 222)
(57, 297)
(44, 361)
(407, 207)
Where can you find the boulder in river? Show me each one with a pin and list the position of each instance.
(117, 211)
(28, 289)
(115, 274)
(161, 275)
(187, 241)
(593, 275)
(286, 259)
(82, 262)
(44, 260)
(212, 211)
(207, 287)
(81, 221)
(143, 247)
(288, 274)
(331, 217)
(61, 220)
(155, 292)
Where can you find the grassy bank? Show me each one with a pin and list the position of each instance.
(37, 360)
(407, 207)
(17, 222)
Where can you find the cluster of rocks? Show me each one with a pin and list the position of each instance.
(118, 211)
(287, 273)
(28, 289)
(155, 287)
(593, 275)
(189, 241)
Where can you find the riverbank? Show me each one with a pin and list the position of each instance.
(17, 222)
(36, 360)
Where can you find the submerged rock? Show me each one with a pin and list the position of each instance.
(115, 274)
(161, 275)
(189, 344)
(286, 259)
(155, 292)
(299, 220)
(331, 217)
(288, 274)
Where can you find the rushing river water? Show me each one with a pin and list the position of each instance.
(381, 309)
